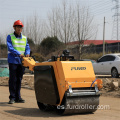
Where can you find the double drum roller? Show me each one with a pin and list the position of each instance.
(67, 85)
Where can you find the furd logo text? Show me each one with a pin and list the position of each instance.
(78, 68)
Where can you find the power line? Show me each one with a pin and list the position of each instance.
(101, 5)
(99, 10)
(102, 8)
(97, 3)
(102, 11)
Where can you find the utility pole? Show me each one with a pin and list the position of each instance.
(104, 37)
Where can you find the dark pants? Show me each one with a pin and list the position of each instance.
(15, 77)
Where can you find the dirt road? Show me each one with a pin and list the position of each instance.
(30, 111)
(28, 83)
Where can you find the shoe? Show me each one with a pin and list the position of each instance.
(11, 101)
(20, 101)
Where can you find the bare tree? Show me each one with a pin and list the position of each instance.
(67, 22)
(0, 40)
(3, 38)
(61, 22)
(72, 23)
(3, 50)
(35, 29)
(53, 22)
(85, 29)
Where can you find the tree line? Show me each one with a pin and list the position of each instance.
(67, 22)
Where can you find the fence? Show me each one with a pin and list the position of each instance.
(109, 48)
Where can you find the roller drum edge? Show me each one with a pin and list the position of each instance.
(78, 105)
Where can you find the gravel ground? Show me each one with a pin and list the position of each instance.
(107, 90)
(109, 110)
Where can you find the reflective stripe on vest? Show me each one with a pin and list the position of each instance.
(18, 44)
(21, 52)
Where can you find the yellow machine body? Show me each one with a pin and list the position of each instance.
(29, 62)
(78, 74)
(75, 74)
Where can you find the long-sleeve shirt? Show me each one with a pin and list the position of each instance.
(13, 55)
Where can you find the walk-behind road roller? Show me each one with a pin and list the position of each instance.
(65, 84)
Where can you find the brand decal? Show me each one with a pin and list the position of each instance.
(78, 68)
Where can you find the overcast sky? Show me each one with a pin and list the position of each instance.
(12, 10)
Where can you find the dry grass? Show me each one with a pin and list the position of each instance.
(93, 56)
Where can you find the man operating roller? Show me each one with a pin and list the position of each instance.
(18, 48)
